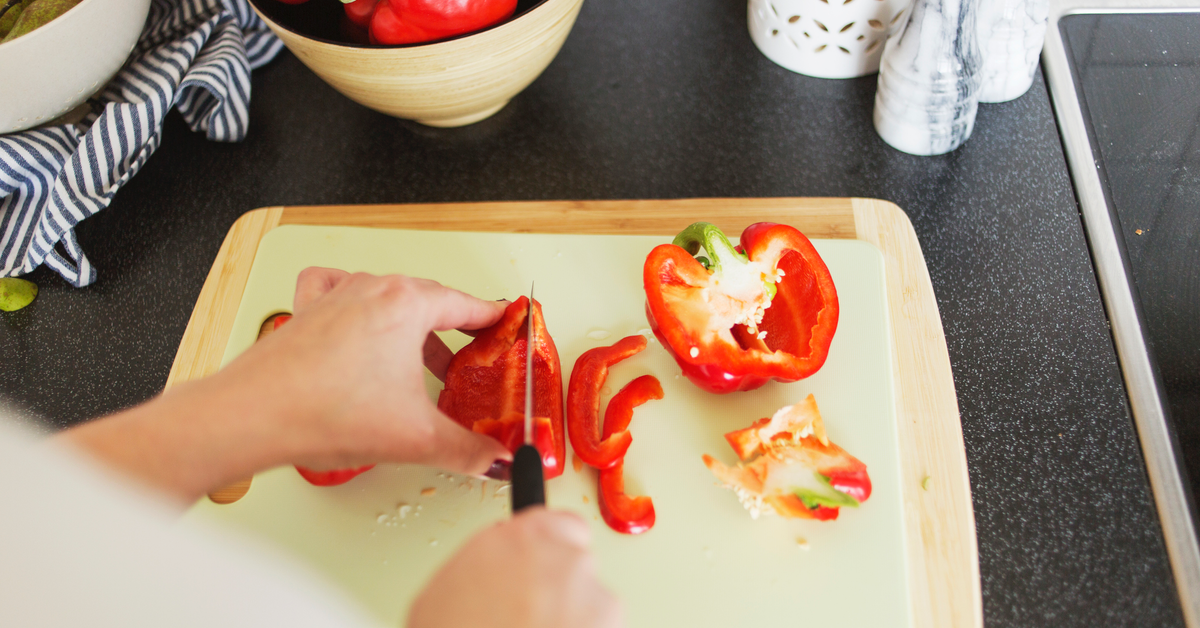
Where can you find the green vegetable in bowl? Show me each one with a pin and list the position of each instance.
(10, 10)
(30, 15)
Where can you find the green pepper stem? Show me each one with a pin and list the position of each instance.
(707, 236)
(720, 250)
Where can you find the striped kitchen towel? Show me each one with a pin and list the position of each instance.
(195, 55)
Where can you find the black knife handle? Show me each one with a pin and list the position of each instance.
(528, 484)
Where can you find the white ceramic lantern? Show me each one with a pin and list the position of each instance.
(826, 39)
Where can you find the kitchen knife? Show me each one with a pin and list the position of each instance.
(528, 483)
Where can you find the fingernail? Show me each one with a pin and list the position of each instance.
(500, 470)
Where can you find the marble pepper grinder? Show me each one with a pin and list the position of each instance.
(929, 79)
(1011, 33)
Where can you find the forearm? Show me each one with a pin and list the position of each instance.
(195, 438)
(341, 386)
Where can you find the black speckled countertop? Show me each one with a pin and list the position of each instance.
(671, 99)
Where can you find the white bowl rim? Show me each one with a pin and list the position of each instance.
(50, 24)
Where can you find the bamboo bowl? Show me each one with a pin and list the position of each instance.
(449, 83)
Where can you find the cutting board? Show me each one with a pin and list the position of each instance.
(886, 393)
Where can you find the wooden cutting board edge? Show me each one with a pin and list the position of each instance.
(940, 524)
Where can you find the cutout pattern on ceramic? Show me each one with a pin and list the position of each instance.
(824, 38)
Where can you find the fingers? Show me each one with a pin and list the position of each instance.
(436, 356)
(313, 283)
(455, 448)
(475, 332)
(559, 525)
(446, 308)
(452, 309)
(532, 571)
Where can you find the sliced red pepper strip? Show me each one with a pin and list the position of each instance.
(625, 514)
(711, 312)
(485, 386)
(622, 513)
(332, 477)
(583, 403)
(620, 408)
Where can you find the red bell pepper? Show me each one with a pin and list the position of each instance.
(620, 408)
(738, 317)
(280, 320)
(789, 464)
(332, 477)
(583, 404)
(622, 513)
(625, 514)
(485, 386)
(417, 21)
(360, 11)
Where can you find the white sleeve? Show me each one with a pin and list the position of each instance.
(80, 548)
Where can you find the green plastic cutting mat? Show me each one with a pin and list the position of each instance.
(705, 563)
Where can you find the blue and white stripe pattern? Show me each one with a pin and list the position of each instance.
(195, 55)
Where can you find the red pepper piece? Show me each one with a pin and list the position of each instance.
(416, 21)
(620, 408)
(794, 437)
(622, 513)
(485, 386)
(360, 12)
(791, 506)
(583, 403)
(851, 480)
(711, 312)
(332, 477)
(625, 514)
(510, 431)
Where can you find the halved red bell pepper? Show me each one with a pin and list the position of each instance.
(485, 386)
(583, 403)
(622, 513)
(736, 318)
(333, 477)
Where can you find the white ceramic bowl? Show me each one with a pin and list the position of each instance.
(48, 72)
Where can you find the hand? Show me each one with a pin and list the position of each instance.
(533, 571)
(341, 385)
(350, 363)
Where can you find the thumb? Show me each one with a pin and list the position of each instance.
(457, 449)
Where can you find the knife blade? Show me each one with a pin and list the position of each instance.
(528, 482)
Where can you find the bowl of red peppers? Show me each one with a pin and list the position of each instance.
(443, 63)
